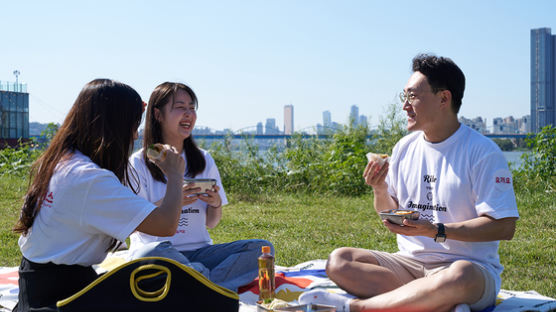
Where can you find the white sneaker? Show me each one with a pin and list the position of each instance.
(319, 296)
(462, 307)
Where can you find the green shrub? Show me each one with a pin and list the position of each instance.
(17, 161)
(538, 169)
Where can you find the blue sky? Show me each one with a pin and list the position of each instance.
(247, 59)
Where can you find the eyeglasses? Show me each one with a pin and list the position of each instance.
(409, 97)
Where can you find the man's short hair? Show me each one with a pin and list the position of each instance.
(442, 74)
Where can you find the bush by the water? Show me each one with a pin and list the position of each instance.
(538, 169)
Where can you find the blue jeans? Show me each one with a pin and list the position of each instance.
(229, 265)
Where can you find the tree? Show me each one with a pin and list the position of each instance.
(50, 131)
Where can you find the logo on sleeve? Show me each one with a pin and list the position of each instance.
(48, 199)
(502, 179)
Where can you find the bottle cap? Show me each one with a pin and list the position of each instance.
(266, 249)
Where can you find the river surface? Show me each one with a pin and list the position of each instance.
(514, 158)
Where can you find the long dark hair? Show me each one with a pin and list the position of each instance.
(101, 125)
(163, 95)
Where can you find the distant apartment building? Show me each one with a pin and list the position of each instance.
(201, 130)
(543, 79)
(354, 115)
(288, 119)
(510, 125)
(270, 127)
(14, 113)
(327, 119)
(363, 122)
(259, 128)
(476, 123)
(524, 124)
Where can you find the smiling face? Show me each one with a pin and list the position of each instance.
(177, 118)
(424, 110)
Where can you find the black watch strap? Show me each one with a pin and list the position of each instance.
(441, 234)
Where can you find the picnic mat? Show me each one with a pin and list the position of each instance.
(290, 283)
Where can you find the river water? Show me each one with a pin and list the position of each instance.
(514, 158)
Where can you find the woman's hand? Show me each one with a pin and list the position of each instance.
(189, 194)
(170, 162)
(212, 198)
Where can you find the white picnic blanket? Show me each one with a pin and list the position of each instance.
(290, 283)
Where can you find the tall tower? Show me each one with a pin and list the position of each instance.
(288, 119)
(354, 115)
(326, 119)
(543, 78)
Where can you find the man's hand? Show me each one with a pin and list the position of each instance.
(412, 228)
(375, 174)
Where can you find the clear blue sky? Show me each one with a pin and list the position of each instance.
(247, 59)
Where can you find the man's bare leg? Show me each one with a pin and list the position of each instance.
(358, 272)
(462, 282)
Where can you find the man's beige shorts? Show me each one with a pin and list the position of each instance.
(407, 270)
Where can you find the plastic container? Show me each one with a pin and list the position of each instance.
(266, 275)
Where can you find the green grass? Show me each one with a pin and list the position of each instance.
(11, 195)
(305, 227)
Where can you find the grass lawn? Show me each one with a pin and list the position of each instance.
(306, 227)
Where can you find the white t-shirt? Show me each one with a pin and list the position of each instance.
(460, 178)
(192, 231)
(84, 209)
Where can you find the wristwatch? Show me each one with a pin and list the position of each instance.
(441, 234)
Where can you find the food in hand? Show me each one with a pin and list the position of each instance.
(156, 152)
(378, 158)
(398, 215)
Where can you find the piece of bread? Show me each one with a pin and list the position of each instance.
(156, 152)
(379, 158)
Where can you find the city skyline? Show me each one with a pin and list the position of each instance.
(246, 60)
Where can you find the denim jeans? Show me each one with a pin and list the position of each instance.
(229, 265)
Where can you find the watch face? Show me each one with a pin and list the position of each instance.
(440, 239)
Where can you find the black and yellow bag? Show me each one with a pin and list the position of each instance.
(152, 284)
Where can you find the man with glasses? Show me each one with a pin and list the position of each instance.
(460, 183)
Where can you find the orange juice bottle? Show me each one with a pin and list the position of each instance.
(266, 275)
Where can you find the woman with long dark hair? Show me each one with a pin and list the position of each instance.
(79, 206)
(171, 117)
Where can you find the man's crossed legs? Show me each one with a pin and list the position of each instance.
(390, 282)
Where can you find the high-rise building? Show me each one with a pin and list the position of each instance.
(543, 78)
(354, 115)
(326, 119)
(288, 119)
(363, 121)
(259, 128)
(270, 127)
(14, 113)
